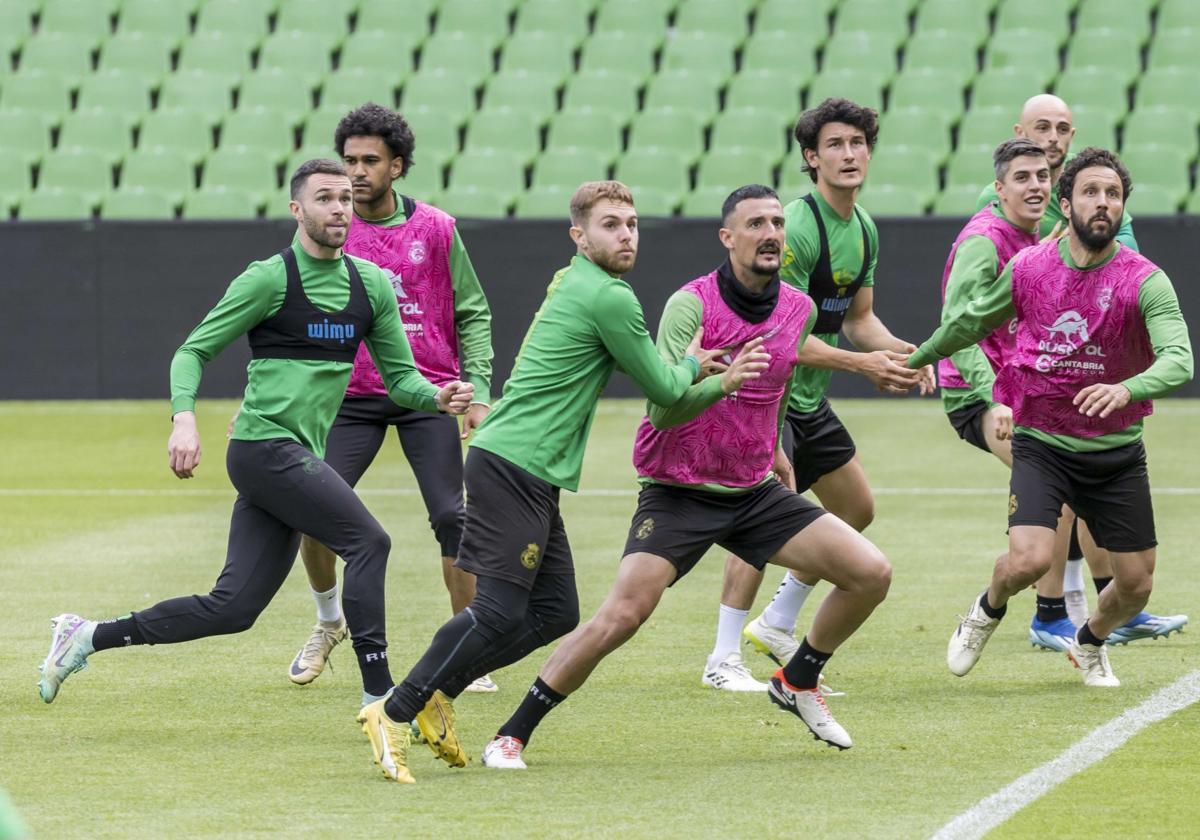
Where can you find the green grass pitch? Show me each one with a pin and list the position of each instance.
(210, 739)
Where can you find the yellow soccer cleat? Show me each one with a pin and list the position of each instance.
(436, 722)
(389, 741)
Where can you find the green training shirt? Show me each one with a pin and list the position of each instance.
(298, 398)
(1164, 323)
(681, 317)
(589, 324)
(845, 260)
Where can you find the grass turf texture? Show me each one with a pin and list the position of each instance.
(210, 738)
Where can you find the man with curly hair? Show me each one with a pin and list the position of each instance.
(448, 323)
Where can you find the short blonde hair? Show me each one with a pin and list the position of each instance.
(591, 192)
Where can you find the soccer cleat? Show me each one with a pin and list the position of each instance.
(314, 656)
(774, 642)
(1052, 635)
(1092, 660)
(1077, 606)
(504, 753)
(389, 741)
(966, 645)
(731, 674)
(1147, 626)
(808, 705)
(70, 646)
(436, 722)
(483, 685)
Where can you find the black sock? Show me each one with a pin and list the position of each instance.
(538, 702)
(1101, 583)
(1051, 609)
(1085, 636)
(989, 610)
(117, 632)
(376, 676)
(803, 669)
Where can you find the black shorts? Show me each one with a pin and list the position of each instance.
(968, 422)
(514, 530)
(817, 443)
(1108, 490)
(680, 524)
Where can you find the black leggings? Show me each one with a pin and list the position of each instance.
(284, 489)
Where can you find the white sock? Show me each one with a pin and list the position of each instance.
(729, 632)
(786, 605)
(329, 605)
(1073, 576)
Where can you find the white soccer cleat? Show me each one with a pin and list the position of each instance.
(966, 645)
(483, 685)
(809, 705)
(1092, 660)
(774, 642)
(504, 753)
(310, 662)
(70, 646)
(731, 674)
(1077, 606)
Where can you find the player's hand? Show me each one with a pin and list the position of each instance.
(183, 447)
(455, 397)
(232, 422)
(1102, 400)
(1000, 420)
(708, 359)
(886, 369)
(783, 469)
(474, 416)
(1057, 232)
(749, 363)
(927, 383)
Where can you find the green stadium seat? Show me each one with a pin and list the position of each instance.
(374, 51)
(865, 88)
(1117, 51)
(15, 175)
(942, 51)
(258, 129)
(165, 20)
(18, 16)
(552, 202)
(1094, 127)
(882, 16)
(437, 139)
(918, 126)
(863, 52)
(958, 200)
(661, 169)
(1006, 87)
(1168, 87)
(707, 53)
(631, 53)
(1047, 16)
(793, 180)
(768, 89)
(1156, 165)
(1164, 126)
(763, 130)
(277, 205)
(722, 17)
(1193, 204)
(987, 126)
(1155, 200)
(490, 19)
(320, 16)
(790, 17)
(24, 138)
(586, 128)
(535, 94)
(566, 20)
(77, 169)
(137, 53)
(304, 154)
(783, 52)
(705, 202)
(971, 167)
(466, 54)
(97, 130)
(895, 200)
(170, 173)
(604, 90)
(242, 169)
(912, 167)
(683, 91)
(44, 93)
(346, 89)
(442, 91)
(967, 18)
(1093, 88)
(544, 53)
(61, 53)
(930, 89)
(11, 39)
(425, 182)
(184, 131)
(318, 127)
(681, 131)
(1178, 14)
(117, 91)
(277, 91)
(411, 15)
(71, 17)
(1030, 49)
(51, 204)
(504, 130)
(220, 203)
(215, 52)
(489, 169)
(732, 168)
(137, 204)
(569, 167)
(306, 56)
(240, 16)
(633, 16)
(1132, 16)
(1175, 49)
(653, 202)
(475, 202)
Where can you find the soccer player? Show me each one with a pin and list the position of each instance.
(706, 468)
(527, 451)
(305, 311)
(832, 249)
(1099, 335)
(448, 324)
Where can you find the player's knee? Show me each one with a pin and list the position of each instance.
(1134, 590)
(622, 619)
(375, 542)
(1024, 564)
(240, 617)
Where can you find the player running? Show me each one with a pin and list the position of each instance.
(305, 311)
(706, 468)
(1099, 335)
(527, 450)
(448, 324)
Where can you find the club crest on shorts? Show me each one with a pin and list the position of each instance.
(310, 465)
(645, 529)
(1012, 504)
(529, 557)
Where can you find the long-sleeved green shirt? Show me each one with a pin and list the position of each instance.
(1173, 362)
(589, 324)
(296, 398)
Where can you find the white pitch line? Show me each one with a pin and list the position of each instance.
(587, 491)
(1098, 744)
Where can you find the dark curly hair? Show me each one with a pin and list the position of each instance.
(373, 120)
(1093, 156)
(809, 126)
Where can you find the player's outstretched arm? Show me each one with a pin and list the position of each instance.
(885, 368)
